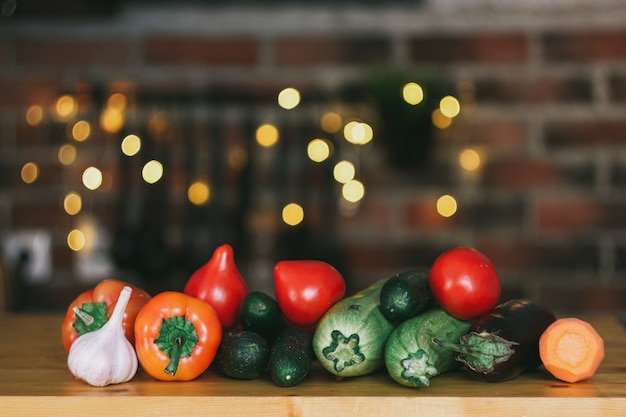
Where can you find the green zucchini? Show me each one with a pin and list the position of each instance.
(406, 295)
(350, 337)
(411, 356)
(291, 357)
(242, 355)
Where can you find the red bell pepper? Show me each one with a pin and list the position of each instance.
(219, 283)
(92, 308)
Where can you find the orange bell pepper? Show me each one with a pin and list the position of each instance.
(176, 336)
(92, 308)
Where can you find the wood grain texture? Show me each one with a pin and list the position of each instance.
(35, 381)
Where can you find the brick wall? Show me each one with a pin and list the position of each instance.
(542, 92)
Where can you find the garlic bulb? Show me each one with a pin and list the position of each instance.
(105, 356)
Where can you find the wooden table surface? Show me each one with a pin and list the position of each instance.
(35, 381)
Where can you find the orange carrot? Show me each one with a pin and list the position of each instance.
(571, 349)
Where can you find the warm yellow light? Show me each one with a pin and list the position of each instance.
(67, 154)
(450, 106)
(30, 172)
(344, 171)
(267, 135)
(469, 159)
(199, 193)
(72, 203)
(152, 171)
(131, 145)
(358, 133)
(446, 205)
(353, 132)
(293, 214)
(289, 98)
(81, 130)
(76, 240)
(353, 191)
(318, 150)
(111, 120)
(66, 107)
(440, 120)
(92, 178)
(331, 122)
(238, 158)
(412, 93)
(117, 101)
(34, 115)
(368, 134)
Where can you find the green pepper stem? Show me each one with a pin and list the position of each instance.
(175, 354)
(83, 315)
(458, 348)
(177, 338)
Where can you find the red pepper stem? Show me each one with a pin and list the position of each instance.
(84, 316)
(175, 354)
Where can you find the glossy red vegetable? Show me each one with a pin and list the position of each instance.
(464, 282)
(92, 309)
(305, 289)
(219, 283)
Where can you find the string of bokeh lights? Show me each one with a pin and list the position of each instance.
(355, 132)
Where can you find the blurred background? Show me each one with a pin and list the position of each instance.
(137, 136)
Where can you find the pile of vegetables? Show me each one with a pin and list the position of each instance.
(416, 325)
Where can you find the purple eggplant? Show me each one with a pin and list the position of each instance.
(504, 342)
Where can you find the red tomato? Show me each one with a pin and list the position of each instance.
(464, 282)
(306, 289)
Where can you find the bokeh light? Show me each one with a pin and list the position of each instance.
(446, 205)
(92, 178)
(66, 107)
(318, 150)
(469, 159)
(412, 93)
(358, 133)
(199, 193)
(293, 214)
(67, 154)
(440, 120)
(289, 98)
(81, 130)
(34, 115)
(117, 101)
(29, 172)
(111, 120)
(76, 240)
(331, 122)
(267, 135)
(450, 106)
(72, 203)
(131, 145)
(344, 171)
(152, 171)
(353, 191)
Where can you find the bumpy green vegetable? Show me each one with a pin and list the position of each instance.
(350, 338)
(411, 356)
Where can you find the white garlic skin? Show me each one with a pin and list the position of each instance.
(105, 356)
